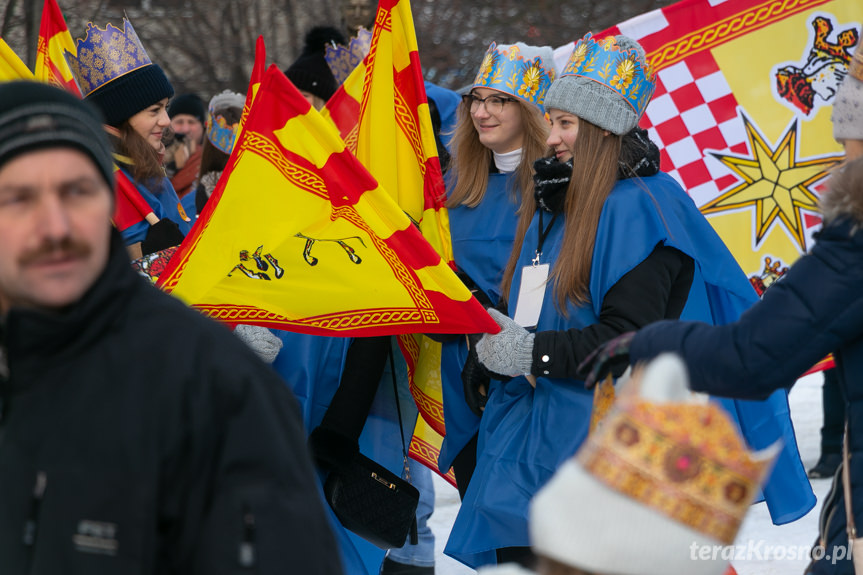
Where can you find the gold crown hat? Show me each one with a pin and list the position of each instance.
(520, 70)
(665, 475)
(221, 127)
(113, 71)
(342, 60)
(607, 82)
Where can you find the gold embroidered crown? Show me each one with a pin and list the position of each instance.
(342, 60)
(105, 55)
(683, 458)
(518, 69)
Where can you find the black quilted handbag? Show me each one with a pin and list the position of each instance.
(373, 502)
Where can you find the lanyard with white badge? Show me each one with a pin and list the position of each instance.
(531, 292)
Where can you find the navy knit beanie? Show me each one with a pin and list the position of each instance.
(310, 72)
(122, 98)
(190, 104)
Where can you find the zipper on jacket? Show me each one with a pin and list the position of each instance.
(246, 554)
(825, 518)
(31, 526)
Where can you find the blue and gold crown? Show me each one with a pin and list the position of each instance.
(220, 132)
(506, 68)
(342, 60)
(623, 70)
(105, 55)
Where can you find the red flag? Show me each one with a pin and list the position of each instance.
(255, 79)
(54, 39)
(130, 208)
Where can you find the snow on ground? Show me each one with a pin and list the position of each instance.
(766, 549)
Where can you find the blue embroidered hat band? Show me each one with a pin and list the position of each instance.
(519, 70)
(221, 127)
(113, 71)
(607, 82)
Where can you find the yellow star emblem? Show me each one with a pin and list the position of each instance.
(775, 181)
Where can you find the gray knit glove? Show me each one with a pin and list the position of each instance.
(510, 351)
(261, 340)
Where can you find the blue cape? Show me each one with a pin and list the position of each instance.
(312, 367)
(481, 241)
(165, 204)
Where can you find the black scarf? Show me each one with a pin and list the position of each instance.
(639, 156)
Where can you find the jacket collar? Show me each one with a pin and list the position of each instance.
(34, 337)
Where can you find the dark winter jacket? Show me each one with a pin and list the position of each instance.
(815, 309)
(139, 437)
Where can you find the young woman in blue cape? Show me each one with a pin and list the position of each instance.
(133, 95)
(499, 133)
(603, 250)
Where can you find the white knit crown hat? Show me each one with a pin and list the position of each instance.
(665, 475)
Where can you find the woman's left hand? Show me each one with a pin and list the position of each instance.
(509, 351)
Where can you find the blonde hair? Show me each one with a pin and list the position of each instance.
(594, 174)
(471, 160)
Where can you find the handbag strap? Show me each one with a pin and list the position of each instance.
(414, 535)
(399, 412)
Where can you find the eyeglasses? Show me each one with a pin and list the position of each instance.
(493, 104)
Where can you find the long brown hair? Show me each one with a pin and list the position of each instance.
(140, 157)
(594, 173)
(471, 160)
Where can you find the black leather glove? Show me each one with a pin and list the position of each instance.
(162, 235)
(612, 357)
(480, 295)
(331, 449)
(475, 378)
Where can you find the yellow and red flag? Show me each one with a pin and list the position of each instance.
(11, 66)
(381, 111)
(300, 236)
(747, 130)
(54, 39)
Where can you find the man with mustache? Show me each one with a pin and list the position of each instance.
(136, 436)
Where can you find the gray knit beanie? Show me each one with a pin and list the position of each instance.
(847, 114)
(596, 102)
(35, 116)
